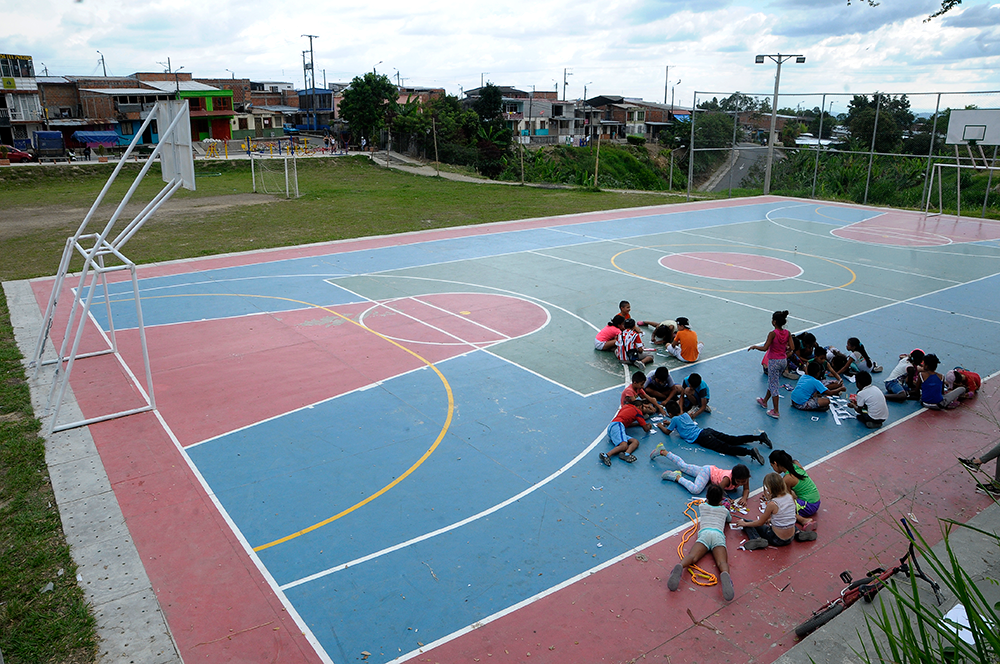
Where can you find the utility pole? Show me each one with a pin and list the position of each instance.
(666, 84)
(305, 81)
(312, 71)
(565, 74)
(103, 65)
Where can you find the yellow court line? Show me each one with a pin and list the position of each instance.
(853, 278)
(390, 485)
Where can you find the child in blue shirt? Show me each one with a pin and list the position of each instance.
(810, 393)
(723, 443)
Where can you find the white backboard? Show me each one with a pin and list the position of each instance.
(979, 125)
(176, 155)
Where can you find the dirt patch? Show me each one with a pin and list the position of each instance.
(17, 222)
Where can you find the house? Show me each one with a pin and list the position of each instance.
(20, 105)
(211, 108)
(538, 118)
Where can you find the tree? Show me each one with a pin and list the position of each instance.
(738, 102)
(946, 6)
(894, 117)
(367, 103)
(493, 138)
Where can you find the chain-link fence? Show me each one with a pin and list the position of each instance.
(874, 148)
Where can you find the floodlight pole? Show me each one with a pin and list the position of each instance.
(778, 58)
(312, 73)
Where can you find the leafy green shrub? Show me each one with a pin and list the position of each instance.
(635, 139)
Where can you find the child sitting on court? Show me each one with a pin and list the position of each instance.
(932, 392)
(729, 480)
(685, 346)
(623, 444)
(628, 346)
(959, 377)
(810, 393)
(636, 395)
(694, 395)
(899, 383)
(869, 402)
(605, 339)
(661, 386)
(776, 526)
(859, 357)
(712, 519)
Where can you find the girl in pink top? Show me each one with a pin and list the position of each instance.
(730, 480)
(605, 339)
(777, 348)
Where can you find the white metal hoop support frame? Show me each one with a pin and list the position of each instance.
(102, 254)
(937, 174)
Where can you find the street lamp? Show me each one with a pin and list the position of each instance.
(232, 72)
(376, 65)
(778, 58)
(177, 81)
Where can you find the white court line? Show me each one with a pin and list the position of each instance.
(884, 246)
(458, 524)
(872, 266)
(640, 277)
(711, 261)
(460, 317)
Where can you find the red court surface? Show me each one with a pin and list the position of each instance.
(898, 228)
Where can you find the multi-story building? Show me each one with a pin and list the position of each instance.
(211, 109)
(20, 107)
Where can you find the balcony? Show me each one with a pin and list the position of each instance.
(513, 116)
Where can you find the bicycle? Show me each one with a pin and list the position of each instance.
(867, 588)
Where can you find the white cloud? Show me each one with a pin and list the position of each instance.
(612, 47)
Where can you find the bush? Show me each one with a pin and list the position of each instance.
(635, 139)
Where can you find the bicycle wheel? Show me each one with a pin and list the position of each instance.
(819, 620)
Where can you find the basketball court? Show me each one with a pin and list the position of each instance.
(386, 449)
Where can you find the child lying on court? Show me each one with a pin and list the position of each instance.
(664, 332)
(959, 377)
(710, 439)
(729, 480)
(712, 519)
(627, 416)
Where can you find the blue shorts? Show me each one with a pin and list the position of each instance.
(711, 538)
(616, 432)
(894, 386)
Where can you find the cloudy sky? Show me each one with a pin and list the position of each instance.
(609, 46)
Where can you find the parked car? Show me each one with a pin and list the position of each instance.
(17, 156)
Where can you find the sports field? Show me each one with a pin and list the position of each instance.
(390, 445)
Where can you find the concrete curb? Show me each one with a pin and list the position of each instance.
(130, 624)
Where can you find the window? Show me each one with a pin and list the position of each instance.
(274, 88)
(267, 122)
(641, 116)
(243, 123)
(631, 116)
(64, 112)
(126, 128)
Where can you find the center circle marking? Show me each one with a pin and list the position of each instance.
(731, 266)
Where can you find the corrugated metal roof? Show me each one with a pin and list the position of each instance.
(125, 91)
(187, 86)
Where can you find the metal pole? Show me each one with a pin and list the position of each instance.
(871, 152)
(733, 164)
(770, 136)
(930, 152)
(666, 84)
(694, 105)
(819, 144)
(989, 183)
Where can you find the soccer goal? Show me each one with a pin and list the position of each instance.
(275, 175)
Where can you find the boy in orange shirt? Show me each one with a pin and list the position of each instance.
(685, 346)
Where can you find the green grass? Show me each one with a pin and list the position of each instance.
(341, 198)
(54, 626)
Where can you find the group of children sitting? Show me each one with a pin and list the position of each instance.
(790, 497)
(623, 335)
